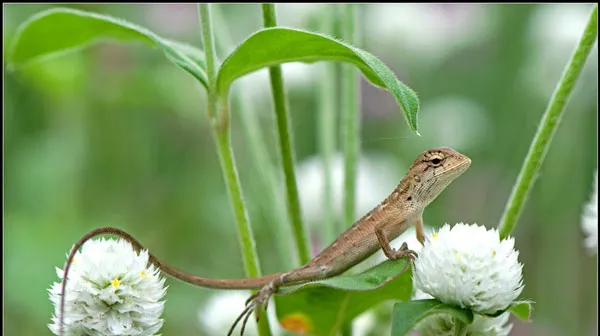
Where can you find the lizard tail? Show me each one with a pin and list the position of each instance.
(246, 283)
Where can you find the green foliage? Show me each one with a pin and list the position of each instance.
(178, 203)
(548, 126)
(59, 30)
(407, 314)
(522, 309)
(56, 31)
(272, 46)
(326, 305)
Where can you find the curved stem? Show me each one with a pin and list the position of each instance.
(286, 148)
(549, 124)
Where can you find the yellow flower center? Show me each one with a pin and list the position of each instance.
(115, 282)
(435, 235)
(143, 272)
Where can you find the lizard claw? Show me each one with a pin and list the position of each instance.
(404, 252)
(254, 304)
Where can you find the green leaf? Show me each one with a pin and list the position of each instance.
(60, 30)
(273, 46)
(407, 314)
(522, 309)
(321, 307)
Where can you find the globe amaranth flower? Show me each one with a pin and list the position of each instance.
(469, 266)
(589, 219)
(112, 290)
(221, 309)
(444, 324)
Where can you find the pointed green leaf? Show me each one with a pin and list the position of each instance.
(407, 314)
(273, 46)
(59, 30)
(321, 307)
(522, 309)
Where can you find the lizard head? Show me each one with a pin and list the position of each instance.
(433, 170)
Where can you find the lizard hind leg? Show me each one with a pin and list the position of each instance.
(256, 301)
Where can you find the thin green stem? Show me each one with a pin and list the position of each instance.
(210, 54)
(265, 170)
(327, 131)
(245, 235)
(218, 112)
(285, 147)
(350, 105)
(222, 138)
(549, 124)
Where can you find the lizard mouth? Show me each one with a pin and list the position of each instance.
(463, 166)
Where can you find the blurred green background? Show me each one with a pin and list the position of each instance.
(116, 135)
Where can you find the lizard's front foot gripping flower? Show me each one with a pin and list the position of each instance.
(112, 290)
(469, 266)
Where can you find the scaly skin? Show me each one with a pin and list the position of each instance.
(431, 172)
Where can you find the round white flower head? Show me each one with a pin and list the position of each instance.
(470, 267)
(443, 324)
(219, 311)
(112, 290)
(589, 218)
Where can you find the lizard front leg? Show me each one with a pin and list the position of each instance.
(419, 229)
(388, 250)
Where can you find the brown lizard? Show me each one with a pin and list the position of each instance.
(427, 177)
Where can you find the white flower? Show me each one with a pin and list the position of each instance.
(220, 310)
(112, 290)
(443, 324)
(589, 218)
(470, 267)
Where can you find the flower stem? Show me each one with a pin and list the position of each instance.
(218, 113)
(328, 106)
(549, 124)
(285, 147)
(350, 103)
(221, 132)
(264, 168)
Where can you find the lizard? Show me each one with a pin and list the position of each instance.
(430, 173)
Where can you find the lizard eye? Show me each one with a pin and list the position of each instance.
(436, 161)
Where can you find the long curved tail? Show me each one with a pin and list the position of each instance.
(246, 283)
